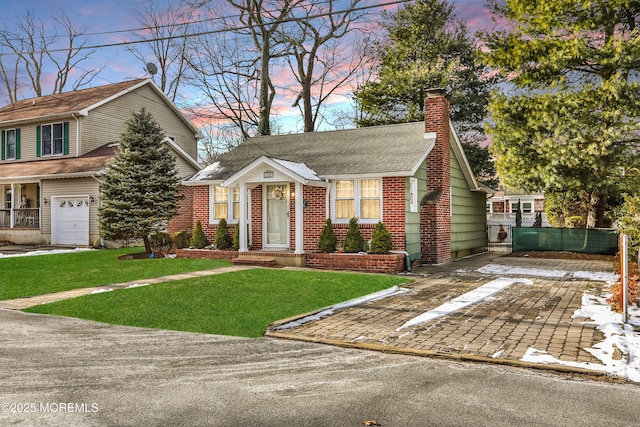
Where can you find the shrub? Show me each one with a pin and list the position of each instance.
(236, 237)
(616, 293)
(161, 244)
(380, 240)
(198, 239)
(353, 241)
(538, 222)
(181, 239)
(328, 241)
(223, 239)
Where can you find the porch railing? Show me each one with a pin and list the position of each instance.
(22, 218)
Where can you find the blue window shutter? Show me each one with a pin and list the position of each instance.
(38, 140)
(17, 144)
(4, 142)
(66, 138)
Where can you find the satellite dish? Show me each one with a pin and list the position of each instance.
(151, 68)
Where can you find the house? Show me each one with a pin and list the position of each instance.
(413, 177)
(54, 149)
(502, 208)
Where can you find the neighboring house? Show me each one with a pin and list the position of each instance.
(413, 177)
(54, 149)
(502, 207)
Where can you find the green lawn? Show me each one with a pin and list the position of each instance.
(243, 303)
(36, 275)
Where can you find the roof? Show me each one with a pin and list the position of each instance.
(78, 102)
(63, 103)
(87, 165)
(381, 150)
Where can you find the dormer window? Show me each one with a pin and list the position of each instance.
(53, 139)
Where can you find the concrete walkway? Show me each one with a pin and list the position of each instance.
(22, 303)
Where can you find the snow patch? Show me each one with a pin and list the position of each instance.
(207, 172)
(465, 300)
(99, 291)
(328, 311)
(46, 252)
(520, 271)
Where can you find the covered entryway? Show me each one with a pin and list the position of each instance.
(70, 220)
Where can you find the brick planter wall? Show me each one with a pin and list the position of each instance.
(390, 264)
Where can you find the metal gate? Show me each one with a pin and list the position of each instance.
(499, 237)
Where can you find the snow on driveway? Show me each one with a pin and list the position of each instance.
(464, 300)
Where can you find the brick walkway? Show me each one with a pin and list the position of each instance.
(500, 328)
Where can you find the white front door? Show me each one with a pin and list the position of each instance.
(277, 216)
(70, 220)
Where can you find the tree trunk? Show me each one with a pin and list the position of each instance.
(147, 245)
(595, 214)
(264, 124)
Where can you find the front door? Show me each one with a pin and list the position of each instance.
(277, 217)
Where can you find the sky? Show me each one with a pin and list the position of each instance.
(107, 22)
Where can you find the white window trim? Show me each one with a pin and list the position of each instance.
(357, 195)
(413, 194)
(230, 202)
(53, 153)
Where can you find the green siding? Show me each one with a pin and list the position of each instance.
(468, 216)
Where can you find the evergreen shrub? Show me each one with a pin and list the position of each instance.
(353, 241)
(328, 240)
(198, 238)
(223, 238)
(380, 240)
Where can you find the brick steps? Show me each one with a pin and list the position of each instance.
(255, 260)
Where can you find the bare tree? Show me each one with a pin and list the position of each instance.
(261, 20)
(165, 34)
(31, 52)
(321, 58)
(227, 82)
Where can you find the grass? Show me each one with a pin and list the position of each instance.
(42, 274)
(243, 303)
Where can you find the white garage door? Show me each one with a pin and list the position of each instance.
(70, 221)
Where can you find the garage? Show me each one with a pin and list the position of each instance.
(70, 220)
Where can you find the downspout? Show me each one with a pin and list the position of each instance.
(327, 202)
(77, 134)
(407, 258)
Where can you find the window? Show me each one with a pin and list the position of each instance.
(11, 144)
(526, 207)
(345, 199)
(53, 139)
(222, 204)
(413, 194)
(361, 198)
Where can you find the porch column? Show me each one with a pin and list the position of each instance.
(299, 221)
(12, 214)
(243, 218)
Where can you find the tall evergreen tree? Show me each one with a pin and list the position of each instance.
(140, 188)
(426, 46)
(569, 123)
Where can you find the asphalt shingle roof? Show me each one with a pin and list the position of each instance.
(372, 150)
(63, 103)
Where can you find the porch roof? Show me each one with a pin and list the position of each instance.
(381, 150)
(89, 164)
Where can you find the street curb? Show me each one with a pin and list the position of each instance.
(437, 355)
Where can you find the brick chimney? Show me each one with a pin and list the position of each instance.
(435, 210)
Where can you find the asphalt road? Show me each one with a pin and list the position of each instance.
(67, 372)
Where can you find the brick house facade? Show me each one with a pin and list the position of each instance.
(280, 190)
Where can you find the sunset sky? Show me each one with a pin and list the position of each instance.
(107, 22)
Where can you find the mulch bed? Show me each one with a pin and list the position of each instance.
(562, 255)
